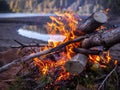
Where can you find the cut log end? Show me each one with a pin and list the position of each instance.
(77, 64)
(93, 22)
(100, 17)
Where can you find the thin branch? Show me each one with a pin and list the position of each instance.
(117, 80)
(19, 42)
(21, 45)
(30, 45)
(107, 77)
(29, 57)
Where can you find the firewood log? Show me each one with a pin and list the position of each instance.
(77, 64)
(106, 38)
(93, 22)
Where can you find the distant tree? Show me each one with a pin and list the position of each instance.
(4, 7)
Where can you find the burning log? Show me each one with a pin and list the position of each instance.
(77, 64)
(105, 38)
(93, 22)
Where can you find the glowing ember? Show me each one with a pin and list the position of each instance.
(104, 59)
(115, 62)
(101, 27)
(107, 10)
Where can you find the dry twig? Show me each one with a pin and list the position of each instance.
(21, 45)
(107, 77)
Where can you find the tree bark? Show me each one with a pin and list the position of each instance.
(106, 38)
(77, 64)
(93, 22)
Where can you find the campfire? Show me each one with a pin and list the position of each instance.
(84, 48)
(71, 60)
(68, 29)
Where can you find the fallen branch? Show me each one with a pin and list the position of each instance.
(27, 58)
(107, 77)
(21, 45)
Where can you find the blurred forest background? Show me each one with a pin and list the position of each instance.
(51, 6)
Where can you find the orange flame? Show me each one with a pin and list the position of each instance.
(115, 62)
(107, 10)
(67, 28)
(104, 58)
